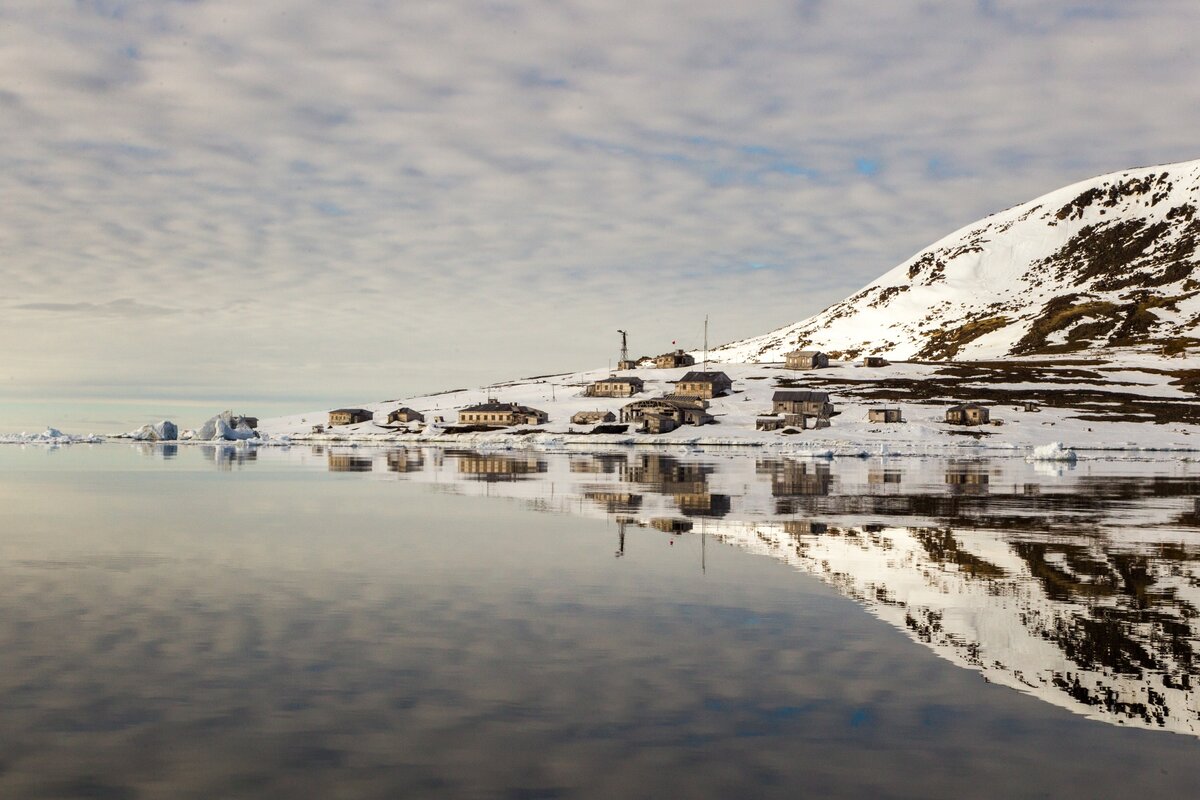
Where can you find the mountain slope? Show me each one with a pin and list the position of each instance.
(1109, 262)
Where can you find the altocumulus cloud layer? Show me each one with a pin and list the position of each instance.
(349, 201)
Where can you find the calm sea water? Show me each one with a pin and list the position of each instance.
(180, 622)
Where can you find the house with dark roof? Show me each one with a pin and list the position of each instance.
(404, 414)
(673, 360)
(802, 401)
(615, 387)
(349, 416)
(806, 359)
(706, 385)
(501, 415)
(683, 410)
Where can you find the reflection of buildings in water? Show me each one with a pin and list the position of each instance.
(498, 468)
(878, 477)
(671, 524)
(406, 460)
(686, 482)
(967, 478)
(345, 462)
(790, 478)
(703, 504)
(614, 501)
(598, 463)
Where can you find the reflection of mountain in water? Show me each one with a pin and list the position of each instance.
(1081, 588)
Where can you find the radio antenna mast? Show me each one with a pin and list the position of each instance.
(705, 342)
(624, 349)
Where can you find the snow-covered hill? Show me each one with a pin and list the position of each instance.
(1110, 262)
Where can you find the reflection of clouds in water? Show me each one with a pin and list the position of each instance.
(309, 636)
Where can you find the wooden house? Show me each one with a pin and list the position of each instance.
(806, 359)
(501, 415)
(349, 416)
(673, 360)
(768, 423)
(404, 414)
(592, 417)
(684, 410)
(658, 423)
(884, 415)
(967, 414)
(626, 364)
(801, 401)
(1031, 405)
(615, 387)
(706, 385)
(874, 361)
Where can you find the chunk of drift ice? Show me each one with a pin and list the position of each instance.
(165, 431)
(1055, 451)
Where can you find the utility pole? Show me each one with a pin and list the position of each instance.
(705, 367)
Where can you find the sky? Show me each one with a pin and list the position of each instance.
(287, 206)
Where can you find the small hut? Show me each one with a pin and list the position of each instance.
(592, 417)
(874, 361)
(404, 414)
(673, 360)
(806, 359)
(884, 415)
(967, 414)
(349, 416)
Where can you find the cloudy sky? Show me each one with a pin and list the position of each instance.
(282, 206)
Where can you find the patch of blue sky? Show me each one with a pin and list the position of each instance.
(867, 166)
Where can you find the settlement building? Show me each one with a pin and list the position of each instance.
(806, 359)
(874, 361)
(801, 401)
(592, 417)
(501, 415)
(349, 416)
(405, 414)
(615, 387)
(683, 410)
(884, 415)
(672, 360)
(967, 414)
(703, 384)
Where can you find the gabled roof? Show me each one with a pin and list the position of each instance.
(621, 380)
(799, 396)
(501, 407)
(696, 376)
(350, 411)
(965, 406)
(808, 353)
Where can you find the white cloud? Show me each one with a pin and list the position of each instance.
(460, 192)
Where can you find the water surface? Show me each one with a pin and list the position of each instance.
(352, 622)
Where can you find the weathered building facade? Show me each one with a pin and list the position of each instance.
(803, 402)
(404, 414)
(673, 360)
(806, 359)
(684, 410)
(349, 416)
(592, 417)
(885, 415)
(501, 415)
(706, 385)
(615, 387)
(967, 414)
